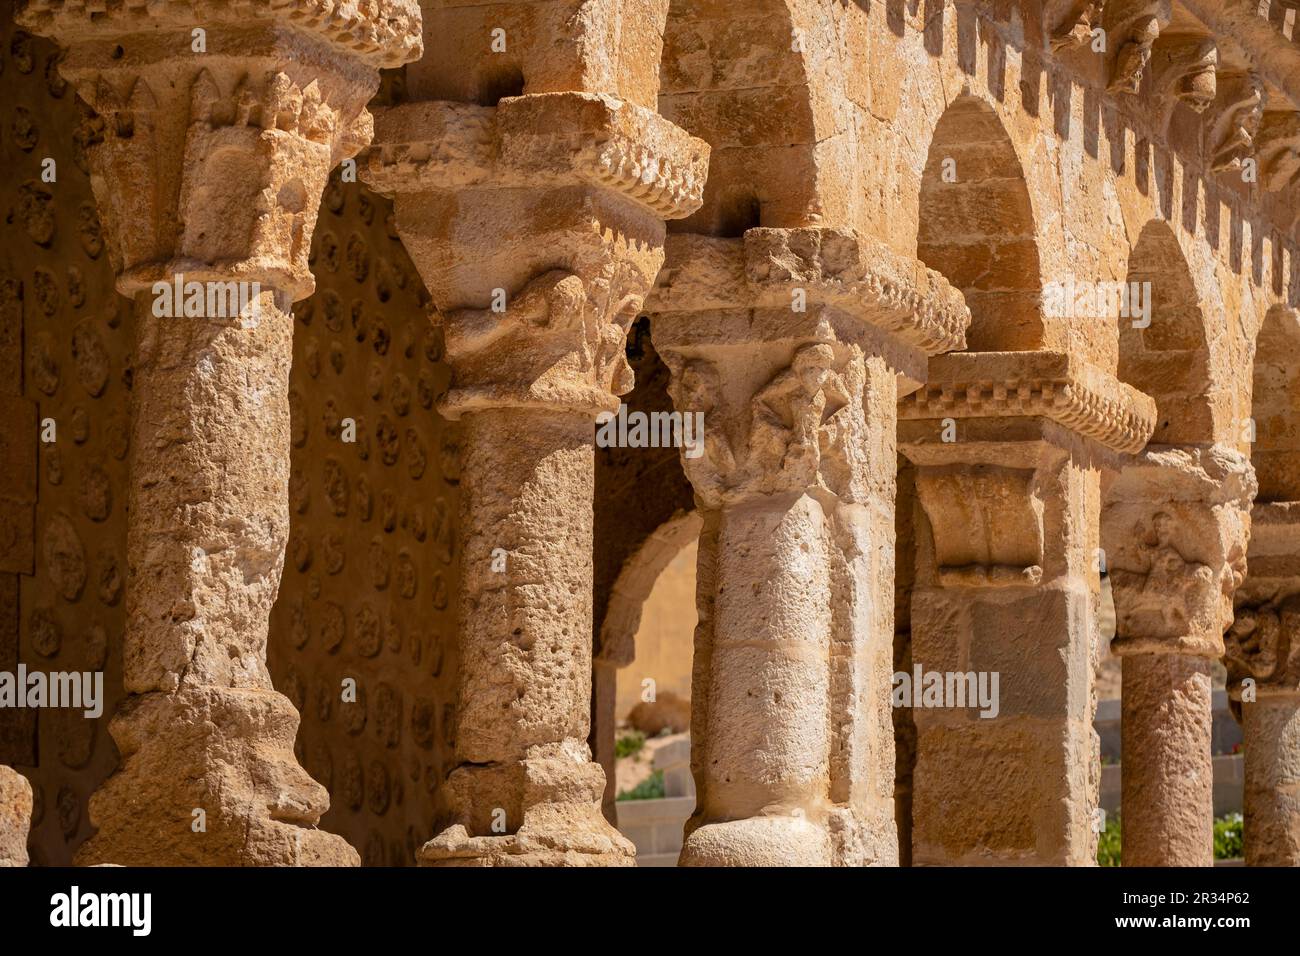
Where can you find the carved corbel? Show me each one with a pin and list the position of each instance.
(1185, 70)
(1132, 28)
(1073, 26)
(1277, 147)
(1235, 120)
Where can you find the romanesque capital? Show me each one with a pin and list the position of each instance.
(1263, 644)
(216, 125)
(765, 336)
(569, 193)
(1175, 532)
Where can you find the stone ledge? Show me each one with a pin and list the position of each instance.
(386, 32)
(540, 140)
(1050, 385)
(836, 269)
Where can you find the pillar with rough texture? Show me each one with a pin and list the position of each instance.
(1174, 529)
(15, 817)
(1009, 449)
(215, 130)
(538, 226)
(1262, 653)
(793, 344)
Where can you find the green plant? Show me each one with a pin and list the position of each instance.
(1227, 840)
(1228, 837)
(651, 788)
(1108, 843)
(629, 744)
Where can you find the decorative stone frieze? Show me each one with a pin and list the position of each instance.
(1050, 385)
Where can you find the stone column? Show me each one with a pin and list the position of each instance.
(15, 817)
(1263, 660)
(1174, 529)
(538, 226)
(792, 344)
(216, 129)
(1009, 449)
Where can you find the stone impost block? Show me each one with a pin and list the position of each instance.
(540, 141)
(1051, 385)
(808, 283)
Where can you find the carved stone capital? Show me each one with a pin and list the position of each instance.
(538, 227)
(1263, 643)
(209, 153)
(796, 428)
(1174, 531)
(987, 523)
(1052, 385)
(558, 342)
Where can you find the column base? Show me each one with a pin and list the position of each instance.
(758, 841)
(559, 797)
(222, 751)
(551, 839)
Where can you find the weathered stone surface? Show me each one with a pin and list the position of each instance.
(847, 228)
(15, 815)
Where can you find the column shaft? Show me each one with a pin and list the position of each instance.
(1167, 800)
(766, 687)
(206, 742)
(523, 764)
(1272, 792)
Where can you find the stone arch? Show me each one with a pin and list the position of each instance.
(1276, 407)
(617, 629)
(760, 82)
(976, 227)
(1170, 359)
(636, 579)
